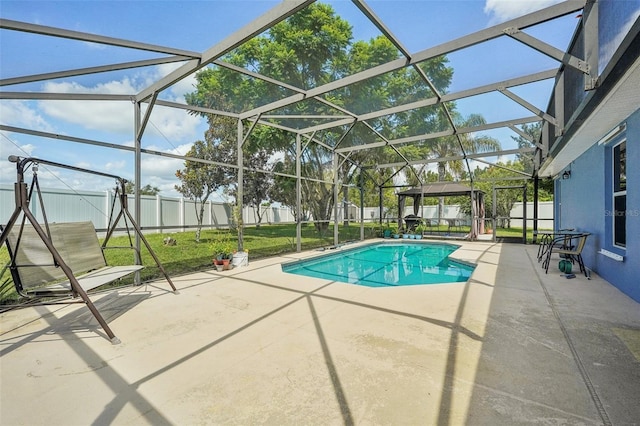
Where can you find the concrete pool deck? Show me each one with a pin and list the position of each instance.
(257, 346)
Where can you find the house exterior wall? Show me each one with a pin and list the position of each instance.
(584, 202)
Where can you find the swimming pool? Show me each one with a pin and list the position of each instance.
(387, 264)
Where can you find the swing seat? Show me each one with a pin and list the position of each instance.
(34, 272)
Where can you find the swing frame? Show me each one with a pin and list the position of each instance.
(78, 285)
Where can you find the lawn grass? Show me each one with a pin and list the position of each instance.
(515, 233)
(189, 256)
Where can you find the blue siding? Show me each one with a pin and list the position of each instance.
(583, 203)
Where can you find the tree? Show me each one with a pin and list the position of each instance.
(309, 49)
(256, 184)
(200, 180)
(451, 146)
(533, 130)
(488, 178)
(306, 50)
(130, 188)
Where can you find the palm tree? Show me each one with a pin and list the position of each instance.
(457, 145)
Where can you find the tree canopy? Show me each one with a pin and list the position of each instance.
(311, 48)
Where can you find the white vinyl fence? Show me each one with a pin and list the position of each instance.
(162, 213)
(167, 214)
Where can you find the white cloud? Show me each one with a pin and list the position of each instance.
(169, 130)
(164, 167)
(113, 116)
(117, 116)
(503, 10)
(21, 114)
(114, 166)
(182, 87)
(10, 144)
(175, 126)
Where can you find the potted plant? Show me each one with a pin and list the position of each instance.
(226, 260)
(487, 228)
(394, 232)
(420, 229)
(222, 251)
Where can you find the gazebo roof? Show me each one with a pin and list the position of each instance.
(438, 189)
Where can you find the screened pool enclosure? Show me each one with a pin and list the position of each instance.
(365, 124)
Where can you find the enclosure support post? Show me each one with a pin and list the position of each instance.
(336, 193)
(137, 176)
(524, 214)
(361, 206)
(240, 193)
(380, 200)
(536, 182)
(298, 195)
(473, 233)
(493, 219)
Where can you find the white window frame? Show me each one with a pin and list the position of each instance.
(615, 194)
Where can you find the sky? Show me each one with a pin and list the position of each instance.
(196, 26)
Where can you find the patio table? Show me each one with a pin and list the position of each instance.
(550, 237)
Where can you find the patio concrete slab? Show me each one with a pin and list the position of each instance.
(257, 346)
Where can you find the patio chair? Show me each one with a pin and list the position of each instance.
(568, 247)
(548, 239)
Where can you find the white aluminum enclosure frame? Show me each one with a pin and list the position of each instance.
(247, 120)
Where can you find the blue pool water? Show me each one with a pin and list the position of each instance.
(387, 264)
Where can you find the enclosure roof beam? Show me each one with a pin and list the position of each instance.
(527, 137)
(147, 116)
(487, 34)
(277, 14)
(386, 141)
(547, 49)
(7, 24)
(65, 138)
(278, 83)
(402, 166)
(498, 124)
(518, 81)
(526, 177)
(531, 78)
(110, 145)
(65, 96)
(474, 156)
(450, 132)
(91, 70)
(370, 14)
(196, 108)
(331, 125)
(531, 19)
(273, 125)
(306, 117)
(529, 106)
(256, 75)
(493, 164)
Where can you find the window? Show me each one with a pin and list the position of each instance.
(620, 194)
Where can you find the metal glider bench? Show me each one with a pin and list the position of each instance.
(65, 259)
